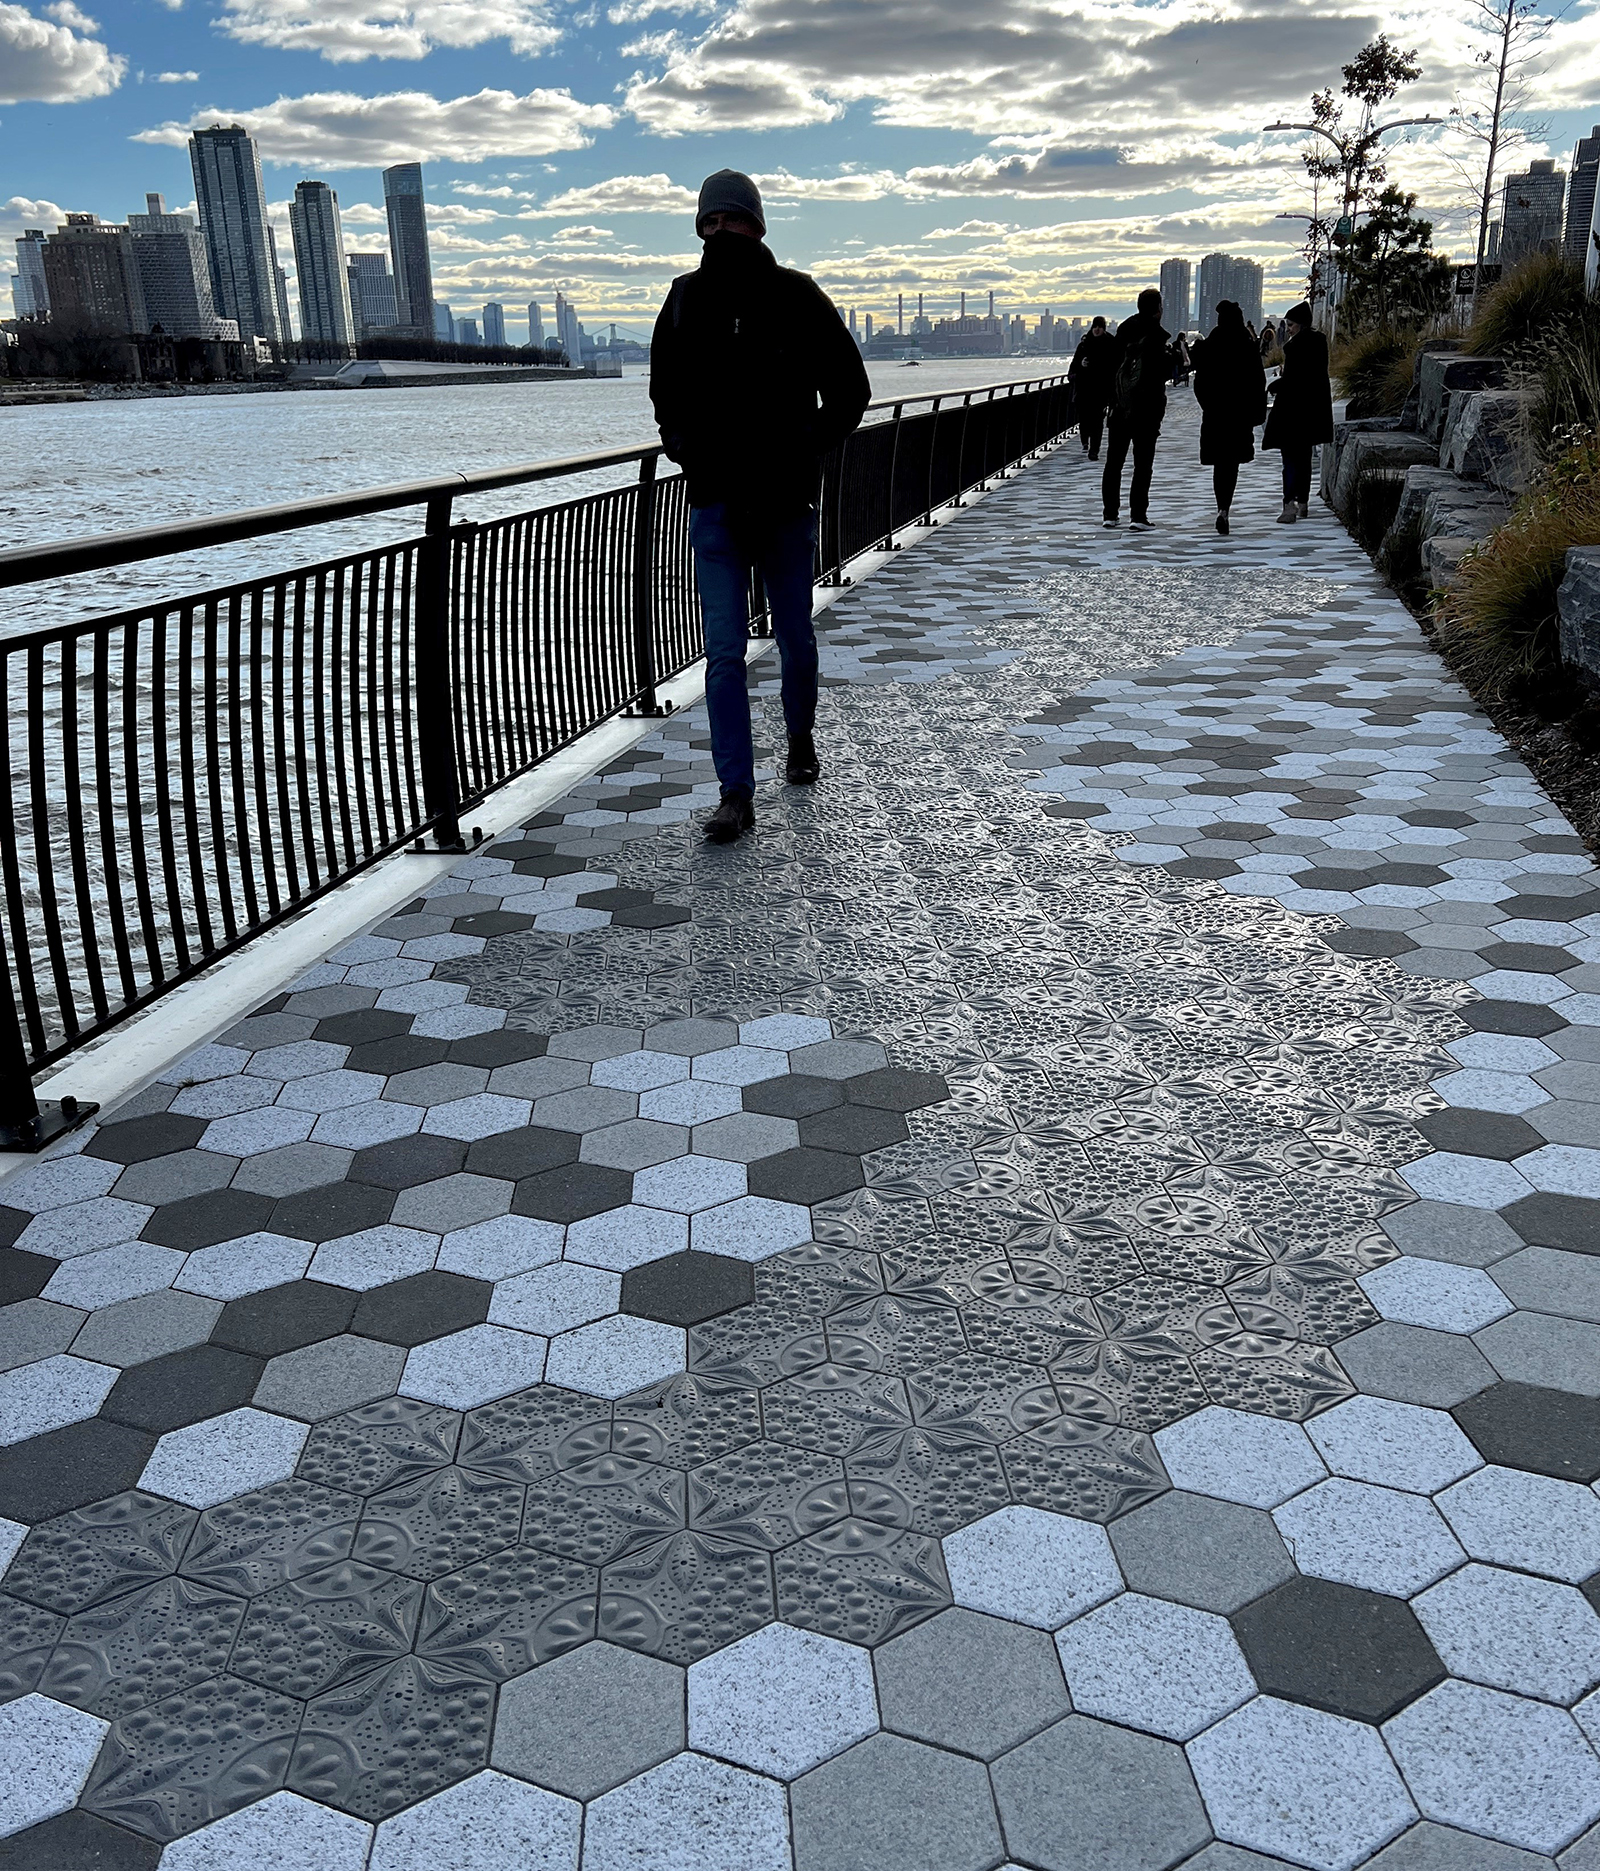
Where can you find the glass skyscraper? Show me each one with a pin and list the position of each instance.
(408, 246)
(233, 220)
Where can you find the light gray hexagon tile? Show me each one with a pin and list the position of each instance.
(1507, 1630)
(284, 1830)
(690, 1811)
(555, 1298)
(373, 1257)
(1258, 1461)
(490, 1822)
(751, 1227)
(1511, 1769)
(781, 1701)
(615, 1356)
(212, 1461)
(1435, 1294)
(475, 1365)
(500, 1248)
(249, 1264)
(1535, 1523)
(1396, 1445)
(1381, 1539)
(49, 1394)
(1147, 1663)
(1031, 1566)
(1300, 1784)
(48, 1749)
(114, 1273)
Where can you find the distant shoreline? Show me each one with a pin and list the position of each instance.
(43, 394)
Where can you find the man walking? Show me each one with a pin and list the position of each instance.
(1138, 403)
(754, 377)
(1093, 366)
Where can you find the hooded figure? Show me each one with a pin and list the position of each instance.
(754, 378)
(1093, 368)
(1302, 408)
(1230, 385)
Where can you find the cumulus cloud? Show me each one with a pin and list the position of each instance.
(177, 77)
(343, 131)
(56, 60)
(1038, 69)
(25, 211)
(621, 194)
(629, 12)
(345, 31)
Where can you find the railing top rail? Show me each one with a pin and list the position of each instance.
(30, 565)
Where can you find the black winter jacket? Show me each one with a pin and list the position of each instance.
(1302, 397)
(1230, 386)
(1094, 364)
(754, 377)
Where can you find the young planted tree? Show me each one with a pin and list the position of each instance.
(1393, 278)
(1492, 113)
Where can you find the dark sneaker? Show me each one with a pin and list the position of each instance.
(1113, 521)
(802, 768)
(735, 814)
(1141, 525)
(1222, 520)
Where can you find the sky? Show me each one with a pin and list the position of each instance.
(1053, 152)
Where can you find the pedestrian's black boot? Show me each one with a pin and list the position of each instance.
(735, 814)
(1222, 519)
(803, 768)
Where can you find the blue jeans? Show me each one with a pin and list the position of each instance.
(722, 570)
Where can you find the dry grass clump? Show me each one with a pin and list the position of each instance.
(1373, 369)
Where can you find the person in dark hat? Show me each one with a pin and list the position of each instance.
(1302, 408)
(754, 377)
(1230, 386)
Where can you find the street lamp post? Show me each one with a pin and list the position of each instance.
(1352, 150)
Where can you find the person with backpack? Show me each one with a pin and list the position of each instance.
(754, 377)
(1138, 404)
(1230, 385)
(1302, 409)
(1093, 366)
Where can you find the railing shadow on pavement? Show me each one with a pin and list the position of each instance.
(191, 772)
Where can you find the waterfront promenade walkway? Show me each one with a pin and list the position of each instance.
(1042, 1311)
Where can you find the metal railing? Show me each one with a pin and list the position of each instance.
(188, 773)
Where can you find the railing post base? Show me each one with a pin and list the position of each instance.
(649, 707)
(54, 1118)
(461, 841)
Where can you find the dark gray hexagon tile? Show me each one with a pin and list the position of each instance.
(685, 1596)
(142, 1647)
(256, 1541)
(381, 1445)
(531, 1436)
(328, 1627)
(79, 1837)
(100, 1551)
(861, 1596)
(174, 1766)
(507, 1614)
(1355, 1653)
(603, 1507)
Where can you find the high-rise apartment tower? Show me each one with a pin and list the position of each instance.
(233, 219)
(408, 246)
(319, 265)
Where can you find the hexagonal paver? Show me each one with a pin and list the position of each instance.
(211, 1461)
(976, 1684)
(627, 1237)
(472, 1367)
(1353, 1653)
(1534, 1523)
(685, 1289)
(1085, 1793)
(332, 1376)
(589, 1720)
(283, 1829)
(1300, 1784)
(373, 1256)
(839, 1058)
(51, 1393)
(48, 1749)
(750, 1228)
(1548, 1432)
(614, 1356)
(689, 1811)
(1500, 1765)
(1150, 1664)
(689, 1184)
(688, 1038)
(1200, 1551)
(1435, 1294)
(640, 1071)
(587, 1107)
(889, 1801)
(1378, 1538)
(1531, 1636)
(745, 1136)
(425, 1305)
(781, 1700)
(480, 1824)
(1032, 1566)
(1257, 1461)
(501, 1247)
(555, 1298)
(636, 1143)
(1396, 1445)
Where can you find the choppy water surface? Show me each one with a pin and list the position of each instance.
(72, 469)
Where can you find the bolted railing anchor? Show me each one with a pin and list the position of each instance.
(472, 833)
(50, 1118)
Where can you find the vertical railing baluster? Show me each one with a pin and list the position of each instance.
(436, 699)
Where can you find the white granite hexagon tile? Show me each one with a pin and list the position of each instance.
(488, 1823)
(689, 1814)
(1396, 1445)
(1032, 1566)
(283, 1831)
(1534, 1523)
(1257, 1461)
(1378, 1538)
(48, 1750)
(781, 1701)
(475, 1365)
(1510, 1631)
(1145, 1663)
(226, 1455)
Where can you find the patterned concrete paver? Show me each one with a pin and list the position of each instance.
(1041, 1309)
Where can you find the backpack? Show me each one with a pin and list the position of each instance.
(1130, 380)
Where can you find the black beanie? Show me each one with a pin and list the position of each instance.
(730, 192)
(1301, 314)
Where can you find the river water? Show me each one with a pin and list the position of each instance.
(72, 469)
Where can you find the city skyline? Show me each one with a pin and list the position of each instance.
(562, 148)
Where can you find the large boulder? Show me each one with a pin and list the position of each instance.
(1436, 505)
(1578, 612)
(1343, 432)
(1440, 372)
(1485, 438)
(1389, 451)
(1441, 559)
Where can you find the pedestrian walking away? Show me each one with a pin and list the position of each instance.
(1302, 408)
(1138, 403)
(1230, 385)
(1092, 369)
(753, 377)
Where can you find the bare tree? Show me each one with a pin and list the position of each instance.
(1494, 110)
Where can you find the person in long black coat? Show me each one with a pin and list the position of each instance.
(1230, 386)
(1302, 409)
(1093, 366)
